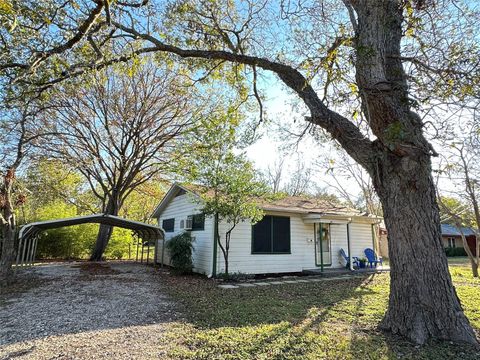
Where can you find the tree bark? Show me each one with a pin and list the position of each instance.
(105, 231)
(8, 253)
(423, 303)
(9, 227)
(224, 252)
(225, 256)
(474, 266)
(227, 248)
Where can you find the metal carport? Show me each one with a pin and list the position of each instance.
(28, 236)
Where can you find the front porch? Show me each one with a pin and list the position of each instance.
(335, 237)
(332, 272)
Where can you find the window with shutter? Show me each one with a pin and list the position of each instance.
(271, 235)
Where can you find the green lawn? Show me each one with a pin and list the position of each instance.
(324, 320)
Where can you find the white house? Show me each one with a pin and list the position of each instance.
(295, 234)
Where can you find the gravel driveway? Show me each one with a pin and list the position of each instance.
(85, 311)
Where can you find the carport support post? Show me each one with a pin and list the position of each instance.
(136, 244)
(148, 251)
(35, 249)
(30, 253)
(25, 251)
(19, 251)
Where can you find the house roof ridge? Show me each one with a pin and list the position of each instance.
(289, 203)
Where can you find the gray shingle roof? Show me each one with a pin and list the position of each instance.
(448, 229)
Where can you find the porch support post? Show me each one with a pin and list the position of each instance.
(375, 240)
(349, 248)
(321, 245)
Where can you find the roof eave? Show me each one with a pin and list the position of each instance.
(168, 197)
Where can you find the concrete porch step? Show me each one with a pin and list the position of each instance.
(328, 272)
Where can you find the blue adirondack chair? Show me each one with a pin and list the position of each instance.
(355, 261)
(372, 258)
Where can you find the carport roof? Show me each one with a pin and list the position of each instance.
(145, 231)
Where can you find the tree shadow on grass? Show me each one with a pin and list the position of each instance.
(331, 320)
(208, 306)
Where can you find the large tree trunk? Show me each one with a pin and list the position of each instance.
(105, 231)
(9, 227)
(423, 303)
(8, 249)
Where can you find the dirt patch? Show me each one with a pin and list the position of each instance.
(92, 269)
(81, 310)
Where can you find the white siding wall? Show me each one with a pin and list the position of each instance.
(179, 208)
(339, 241)
(302, 247)
(360, 238)
(241, 259)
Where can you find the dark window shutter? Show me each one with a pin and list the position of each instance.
(168, 225)
(262, 236)
(281, 234)
(198, 222)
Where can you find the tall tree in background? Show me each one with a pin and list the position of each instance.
(274, 174)
(463, 170)
(293, 180)
(388, 59)
(119, 131)
(343, 170)
(301, 179)
(54, 190)
(230, 188)
(18, 132)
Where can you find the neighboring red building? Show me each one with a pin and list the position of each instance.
(452, 238)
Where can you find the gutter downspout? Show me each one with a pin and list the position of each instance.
(163, 247)
(349, 247)
(215, 232)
